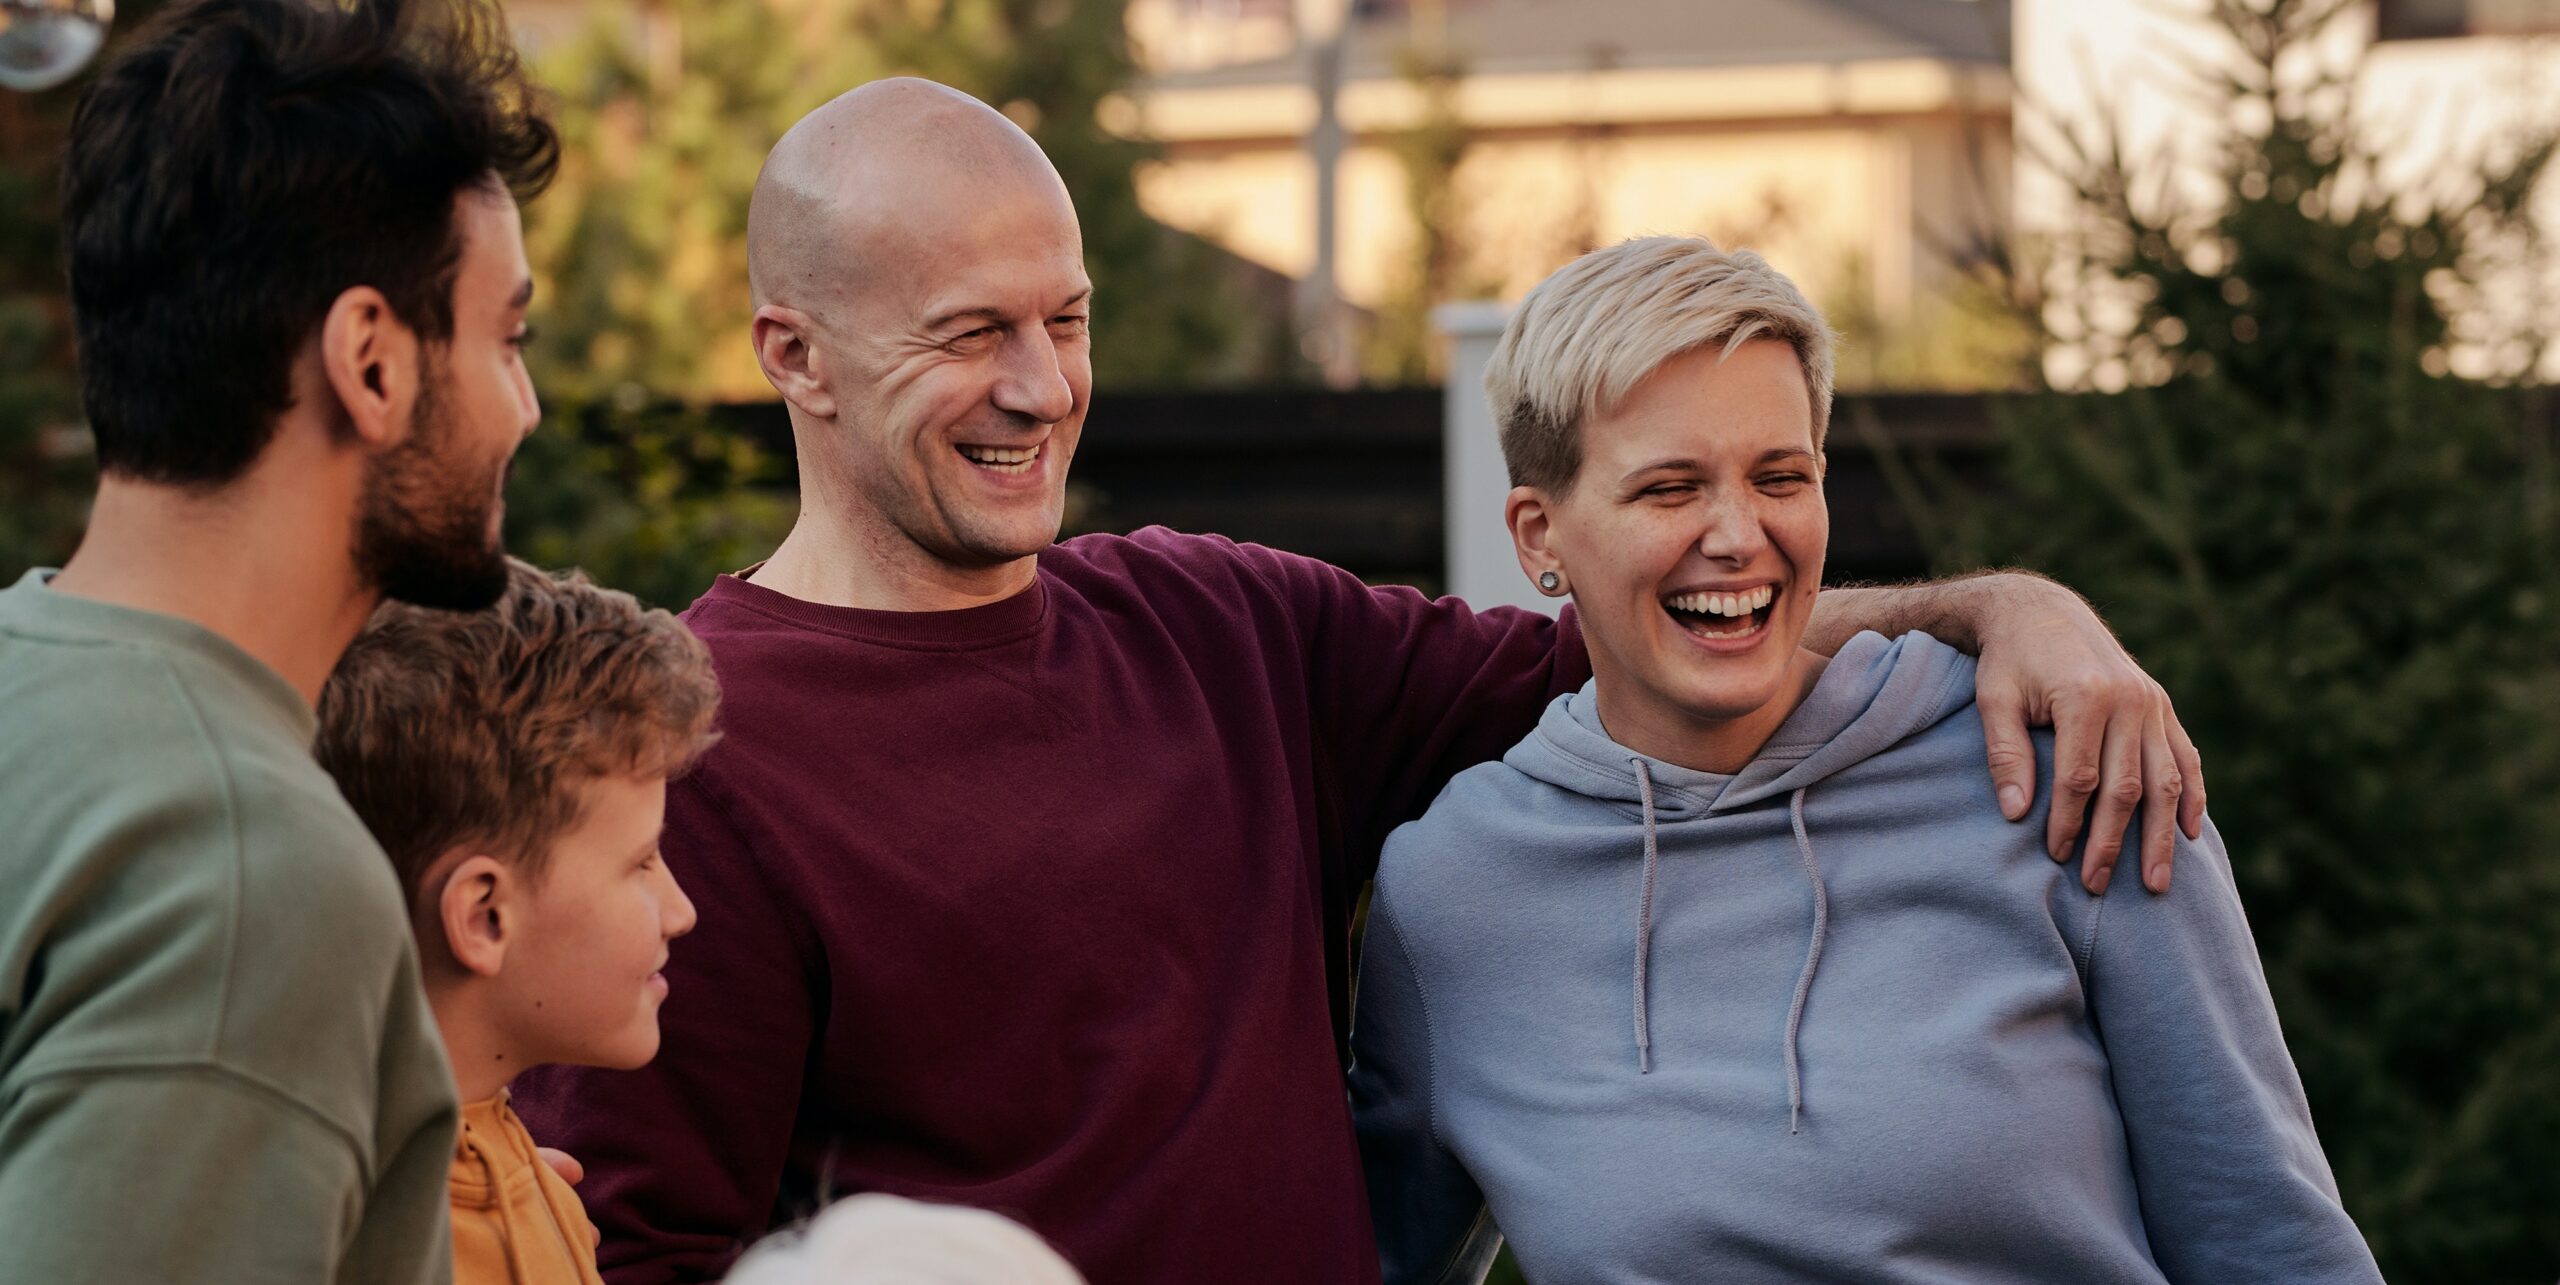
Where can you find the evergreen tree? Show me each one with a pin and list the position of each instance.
(2343, 559)
(666, 110)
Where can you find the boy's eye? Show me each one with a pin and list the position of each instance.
(522, 338)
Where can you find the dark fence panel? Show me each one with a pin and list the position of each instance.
(1354, 477)
(1349, 477)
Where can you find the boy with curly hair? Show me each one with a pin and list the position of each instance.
(513, 763)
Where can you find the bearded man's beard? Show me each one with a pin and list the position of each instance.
(422, 530)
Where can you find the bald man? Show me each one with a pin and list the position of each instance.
(1026, 869)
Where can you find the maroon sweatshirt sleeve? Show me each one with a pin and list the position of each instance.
(687, 1153)
(1409, 690)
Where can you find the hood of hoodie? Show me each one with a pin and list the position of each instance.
(1875, 694)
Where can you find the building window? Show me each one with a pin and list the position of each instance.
(2435, 19)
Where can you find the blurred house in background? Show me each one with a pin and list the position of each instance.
(2444, 84)
(1873, 148)
(2441, 77)
(1857, 142)
(1878, 150)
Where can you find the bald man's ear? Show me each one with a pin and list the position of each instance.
(792, 363)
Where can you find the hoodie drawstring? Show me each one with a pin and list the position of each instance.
(1644, 915)
(1812, 958)
(539, 1243)
(511, 1234)
(1812, 961)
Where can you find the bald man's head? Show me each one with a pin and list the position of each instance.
(921, 307)
(861, 179)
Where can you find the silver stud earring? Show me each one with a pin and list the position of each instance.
(1550, 581)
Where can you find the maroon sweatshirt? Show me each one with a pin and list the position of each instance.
(1043, 907)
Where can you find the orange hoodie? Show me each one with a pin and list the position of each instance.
(515, 1222)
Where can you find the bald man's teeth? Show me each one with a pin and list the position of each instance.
(1003, 459)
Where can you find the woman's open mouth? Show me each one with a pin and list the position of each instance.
(1723, 617)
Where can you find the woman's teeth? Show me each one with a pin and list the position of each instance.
(1002, 459)
(1723, 604)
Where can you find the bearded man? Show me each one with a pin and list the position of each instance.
(1027, 869)
(300, 288)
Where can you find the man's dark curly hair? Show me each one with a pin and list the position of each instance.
(236, 167)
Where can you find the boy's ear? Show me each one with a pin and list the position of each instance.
(472, 907)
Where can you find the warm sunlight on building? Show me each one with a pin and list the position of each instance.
(1849, 139)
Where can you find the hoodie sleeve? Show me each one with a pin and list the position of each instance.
(1433, 1227)
(2234, 1186)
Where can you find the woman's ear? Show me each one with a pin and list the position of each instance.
(472, 907)
(1526, 511)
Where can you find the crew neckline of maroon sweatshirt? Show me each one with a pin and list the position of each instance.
(1044, 907)
(993, 624)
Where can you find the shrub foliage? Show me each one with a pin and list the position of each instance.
(2293, 451)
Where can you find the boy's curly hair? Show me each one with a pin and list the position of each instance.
(452, 728)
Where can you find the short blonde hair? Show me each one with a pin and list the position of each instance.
(451, 727)
(1603, 323)
(887, 1240)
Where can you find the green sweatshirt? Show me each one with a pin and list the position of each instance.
(215, 1060)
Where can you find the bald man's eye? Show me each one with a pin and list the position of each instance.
(1072, 323)
(970, 339)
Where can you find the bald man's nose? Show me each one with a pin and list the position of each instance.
(1034, 382)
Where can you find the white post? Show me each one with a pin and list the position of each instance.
(1482, 568)
(1322, 36)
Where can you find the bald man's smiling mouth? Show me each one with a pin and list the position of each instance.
(1004, 460)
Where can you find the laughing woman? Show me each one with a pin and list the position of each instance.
(1732, 970)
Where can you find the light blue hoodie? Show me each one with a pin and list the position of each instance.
(1830, 1018)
